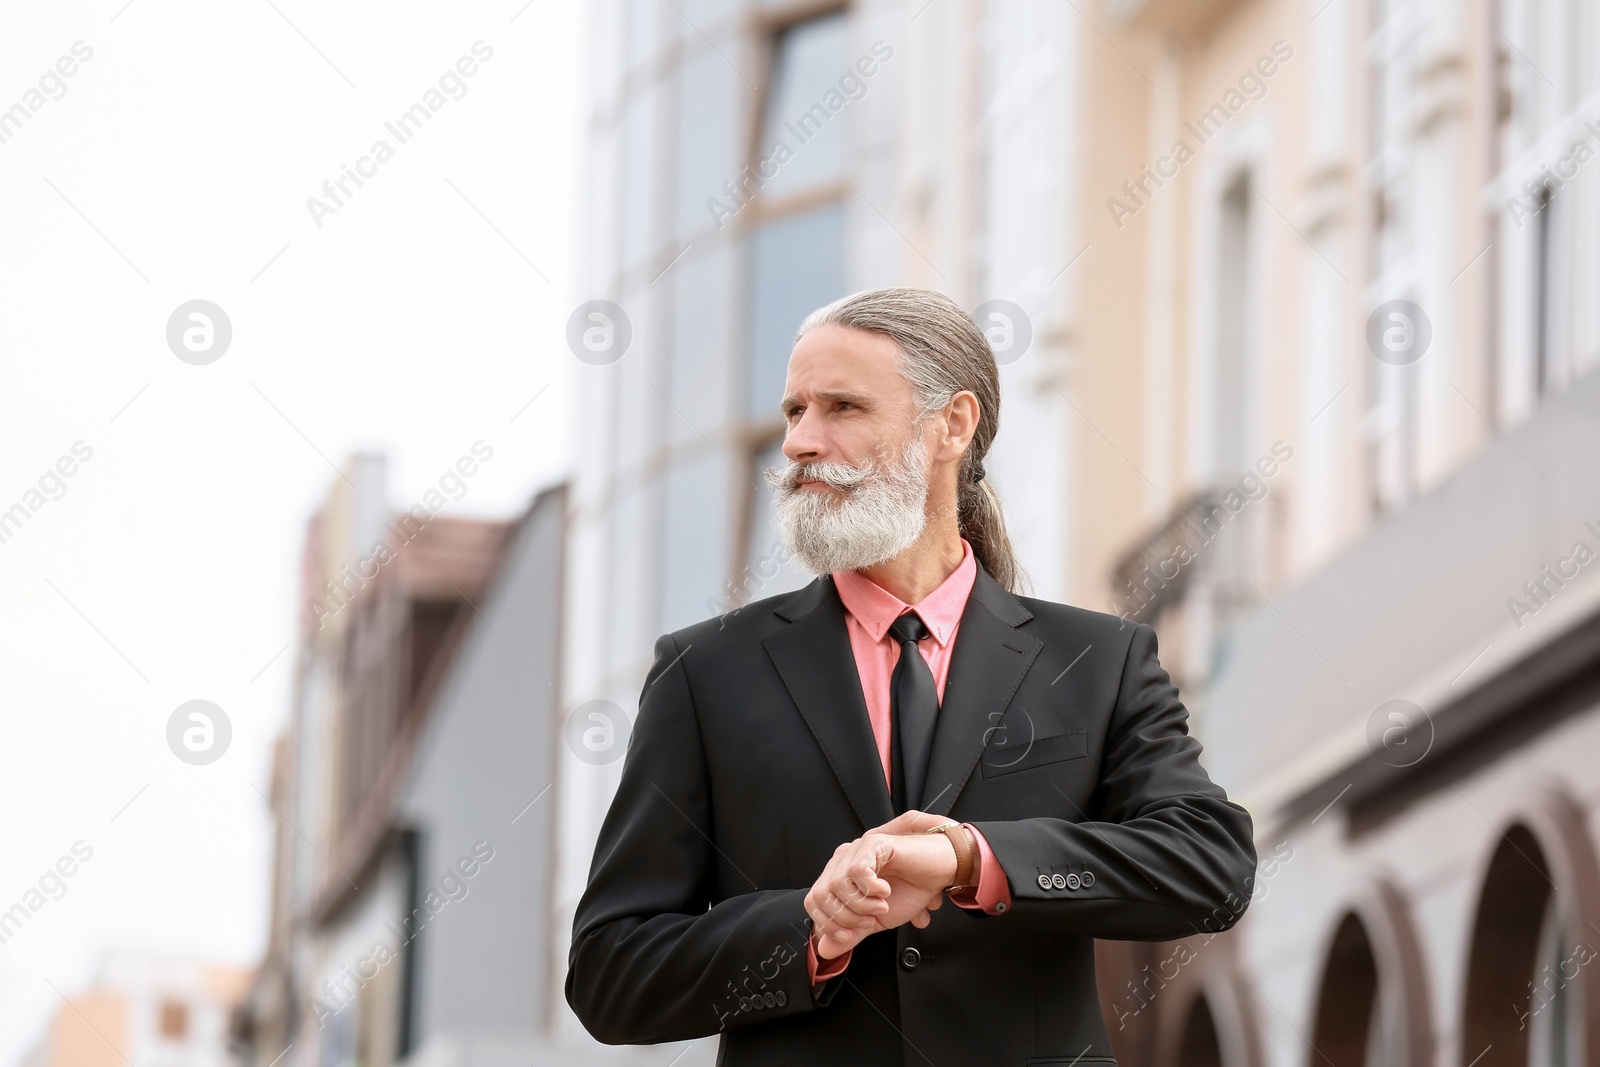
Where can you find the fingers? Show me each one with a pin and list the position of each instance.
(862, 874)
(847, 898)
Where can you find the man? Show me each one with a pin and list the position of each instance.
(911, 728)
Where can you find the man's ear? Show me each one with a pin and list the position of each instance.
(960, 422)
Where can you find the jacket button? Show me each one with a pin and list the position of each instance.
(769, 999)
(910, 959)
(781, 997)
(1073, 881)
(1045, 882)
(1058, 880)
(1087, 878)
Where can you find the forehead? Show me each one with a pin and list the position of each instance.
(835, 358)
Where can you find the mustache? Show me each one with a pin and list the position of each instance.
(838, 475)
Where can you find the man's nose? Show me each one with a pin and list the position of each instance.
(803, 442)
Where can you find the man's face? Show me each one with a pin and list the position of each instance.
(844, 401)
(854, 491)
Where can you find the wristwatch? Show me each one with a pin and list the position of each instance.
(966, 858)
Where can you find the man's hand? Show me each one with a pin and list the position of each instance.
(890, 876)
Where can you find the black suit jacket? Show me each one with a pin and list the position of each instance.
(1060, 737)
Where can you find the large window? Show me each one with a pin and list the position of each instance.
(795, 257)
(1547, 185)
(1393, 393)
(796, 264)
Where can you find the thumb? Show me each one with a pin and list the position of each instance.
(912, 822)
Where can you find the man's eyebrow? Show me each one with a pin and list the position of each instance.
(858, 399)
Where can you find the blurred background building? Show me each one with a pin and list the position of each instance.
(146, 1010)
(410, 918)
(1295, 302)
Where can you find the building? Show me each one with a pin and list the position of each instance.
(145, 1010)
(411, 900)
(1290, 301)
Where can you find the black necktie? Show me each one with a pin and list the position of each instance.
(913, 710)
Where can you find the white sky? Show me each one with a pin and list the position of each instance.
(167, 571)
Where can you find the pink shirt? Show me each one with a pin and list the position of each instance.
(869, 609)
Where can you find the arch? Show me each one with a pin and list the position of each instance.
(1198, 1045)
(1347, 1013)
(1540, 883)
(1207, 1016)
(1373, 1002)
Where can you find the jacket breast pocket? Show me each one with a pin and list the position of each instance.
(1040, 752)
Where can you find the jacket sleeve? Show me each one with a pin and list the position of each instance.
(1169, 854)
(654, 956)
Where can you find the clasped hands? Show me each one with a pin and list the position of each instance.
(891, 875)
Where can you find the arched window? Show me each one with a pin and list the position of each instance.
(1199, 1046)
(1525, 967)
(1354, 1027)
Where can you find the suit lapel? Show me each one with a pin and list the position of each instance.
(817, 665)
(987, 666)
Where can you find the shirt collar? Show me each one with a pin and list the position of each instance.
(874, 607)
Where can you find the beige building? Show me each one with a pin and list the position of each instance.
(1334, 410)
(145, 1010)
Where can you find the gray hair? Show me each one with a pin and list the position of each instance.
(941, 351)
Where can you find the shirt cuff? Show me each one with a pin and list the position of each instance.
(993, 892)
(821, 970)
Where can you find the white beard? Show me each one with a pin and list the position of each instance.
(882, 514)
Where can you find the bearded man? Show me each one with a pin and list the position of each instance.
(810, 778)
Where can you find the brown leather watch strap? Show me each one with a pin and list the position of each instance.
(966, 855)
